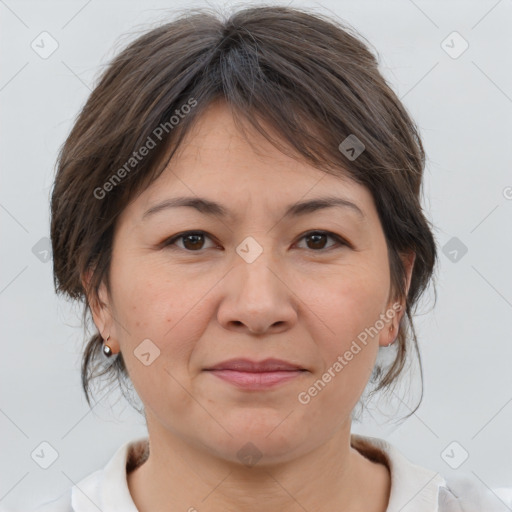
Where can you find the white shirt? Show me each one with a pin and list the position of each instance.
(413, 488)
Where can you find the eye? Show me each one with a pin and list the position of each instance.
(192, 240)
(317, 239)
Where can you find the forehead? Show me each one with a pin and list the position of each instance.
(216, 161)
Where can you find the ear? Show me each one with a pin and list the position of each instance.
(396, 309)
(101, 310)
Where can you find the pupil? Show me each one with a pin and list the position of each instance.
(315, 239)
(196, 241)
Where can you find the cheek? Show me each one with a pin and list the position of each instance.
(169, 308)
(346, 308)
(145, 302)
(149, 305)
(350, 301)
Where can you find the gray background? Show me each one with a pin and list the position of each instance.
(463, 107)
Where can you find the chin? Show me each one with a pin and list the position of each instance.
(258, 435)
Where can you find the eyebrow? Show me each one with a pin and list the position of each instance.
(214, 209)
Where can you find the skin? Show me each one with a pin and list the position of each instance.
(200, 303)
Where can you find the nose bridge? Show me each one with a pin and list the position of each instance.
(259, 266)
(257, 295)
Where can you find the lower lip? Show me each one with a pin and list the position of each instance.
(256, 380)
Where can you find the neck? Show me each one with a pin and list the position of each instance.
(334, 476)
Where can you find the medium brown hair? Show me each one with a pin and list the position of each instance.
(309, 77)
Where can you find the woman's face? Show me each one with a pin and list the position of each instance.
(255, 284)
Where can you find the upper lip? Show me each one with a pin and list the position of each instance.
(246, 365)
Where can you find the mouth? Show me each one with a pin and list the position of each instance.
(248, 374)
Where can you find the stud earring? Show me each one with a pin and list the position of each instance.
(391, 329)
(106, 349)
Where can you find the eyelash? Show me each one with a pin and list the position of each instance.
(171, 241)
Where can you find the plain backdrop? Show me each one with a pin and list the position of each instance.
(462, 103)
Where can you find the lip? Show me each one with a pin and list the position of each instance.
(246, 365)
(255, 375)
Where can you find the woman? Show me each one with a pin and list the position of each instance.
(238, 205)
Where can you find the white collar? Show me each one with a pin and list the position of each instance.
(413, 488)
(107, 488)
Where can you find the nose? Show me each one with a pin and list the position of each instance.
(258, 299)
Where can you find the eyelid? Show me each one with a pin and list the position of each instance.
(171, 241)
(339, 239)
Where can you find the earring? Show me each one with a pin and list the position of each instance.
(106, 349)
(391, 329)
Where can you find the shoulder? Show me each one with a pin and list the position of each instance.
(70, 500)
(465, 493)
(416, 488)
(104, 489)
(60, 504)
